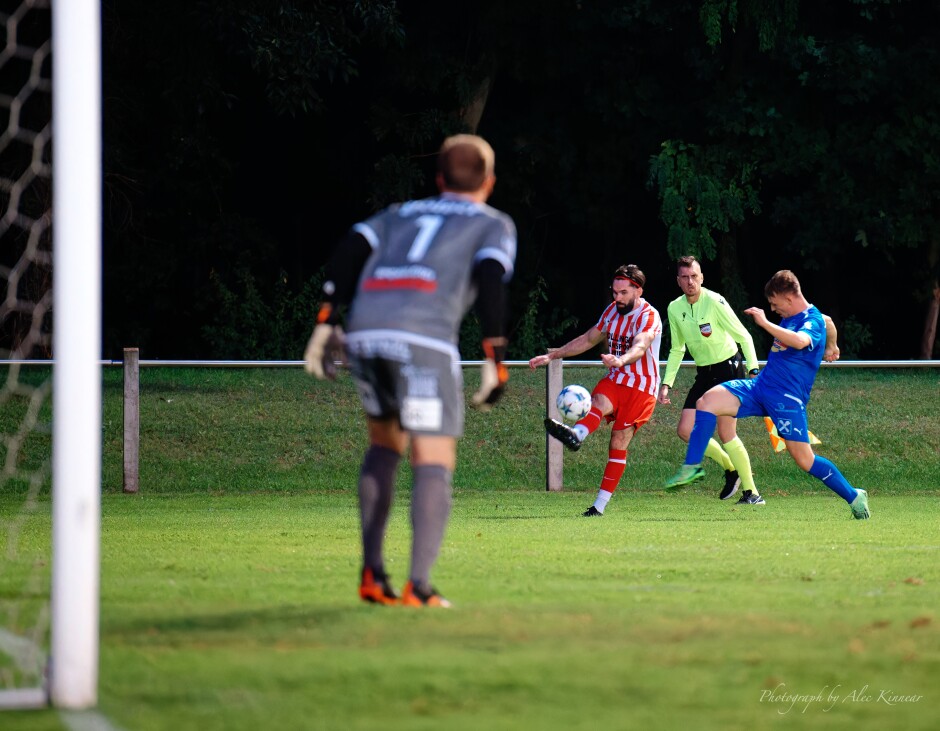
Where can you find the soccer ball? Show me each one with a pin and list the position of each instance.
(574, 402)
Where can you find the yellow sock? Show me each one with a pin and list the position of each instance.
(742, 463)
(716, 453)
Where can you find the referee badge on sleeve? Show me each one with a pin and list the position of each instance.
(705, 328)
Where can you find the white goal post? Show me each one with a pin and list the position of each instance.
(76, 437)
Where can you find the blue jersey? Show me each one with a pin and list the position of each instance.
(792, 370)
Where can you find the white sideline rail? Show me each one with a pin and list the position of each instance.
(912, 363)
(554, 453)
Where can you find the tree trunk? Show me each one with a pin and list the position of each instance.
(930, 324)
(473, 112)
(929, 336)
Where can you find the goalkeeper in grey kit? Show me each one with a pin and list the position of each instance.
(410, 273)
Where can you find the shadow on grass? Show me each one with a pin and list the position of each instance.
(267, 622)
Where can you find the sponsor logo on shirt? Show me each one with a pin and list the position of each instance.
(413, 276)
(621, 344)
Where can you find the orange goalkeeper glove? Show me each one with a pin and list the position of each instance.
(493, 375)
(325, 346)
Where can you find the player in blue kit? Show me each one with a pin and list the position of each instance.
(781, 391)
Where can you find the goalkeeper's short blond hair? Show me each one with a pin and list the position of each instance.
(465, 162)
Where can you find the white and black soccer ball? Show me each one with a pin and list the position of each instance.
(573, 402)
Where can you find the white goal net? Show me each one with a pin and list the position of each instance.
(26, 288)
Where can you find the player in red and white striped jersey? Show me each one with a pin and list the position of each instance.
(626, 396)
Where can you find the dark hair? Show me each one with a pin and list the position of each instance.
(783, 282)
(686, 261)
(631, 272)
(465, 162)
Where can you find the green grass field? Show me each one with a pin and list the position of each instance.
(228, 584)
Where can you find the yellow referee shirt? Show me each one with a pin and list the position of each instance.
(709, 329)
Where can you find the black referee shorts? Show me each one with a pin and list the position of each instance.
(712, 375)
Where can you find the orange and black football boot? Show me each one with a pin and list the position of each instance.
(376, 589)
(414, 596)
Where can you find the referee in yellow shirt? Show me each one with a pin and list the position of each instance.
(704, 323)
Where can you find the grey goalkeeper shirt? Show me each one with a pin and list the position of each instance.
(418, 278)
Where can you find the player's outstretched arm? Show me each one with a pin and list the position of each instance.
(324, 349)
(831, 354)
(490, 305)
(789, 338)
(663, 396)
(640, 345)
(583, 342)
(676, 352)
(325, 345)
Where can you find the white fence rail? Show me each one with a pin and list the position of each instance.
(554, 451)
(466, 363)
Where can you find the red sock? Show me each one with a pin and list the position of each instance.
(592, 420)
(616, 464)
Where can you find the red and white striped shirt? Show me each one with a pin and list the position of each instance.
(621, 330)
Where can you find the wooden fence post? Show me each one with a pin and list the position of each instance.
(131, 419)
(554, 451)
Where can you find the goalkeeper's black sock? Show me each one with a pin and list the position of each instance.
(376, 486)
(430, 510)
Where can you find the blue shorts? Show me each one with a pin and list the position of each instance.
(787, 411)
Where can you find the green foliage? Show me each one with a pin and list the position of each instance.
(533, 332)
(854, 338)
(805, 115)
(471, 337)
(868, 9)
(537, 330)
(769, 21)
(395, 178)
(429, 84)
(255, 324)
(788, 131)
(713, 14)
(296, 46)
(825, 123)
(702, 190)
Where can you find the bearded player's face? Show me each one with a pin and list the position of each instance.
(625, 294)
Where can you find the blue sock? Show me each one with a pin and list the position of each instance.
(705, 423)
(829, 475)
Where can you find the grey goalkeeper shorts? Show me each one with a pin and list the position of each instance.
(415, 379)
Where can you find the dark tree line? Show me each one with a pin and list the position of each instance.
(243, 138)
